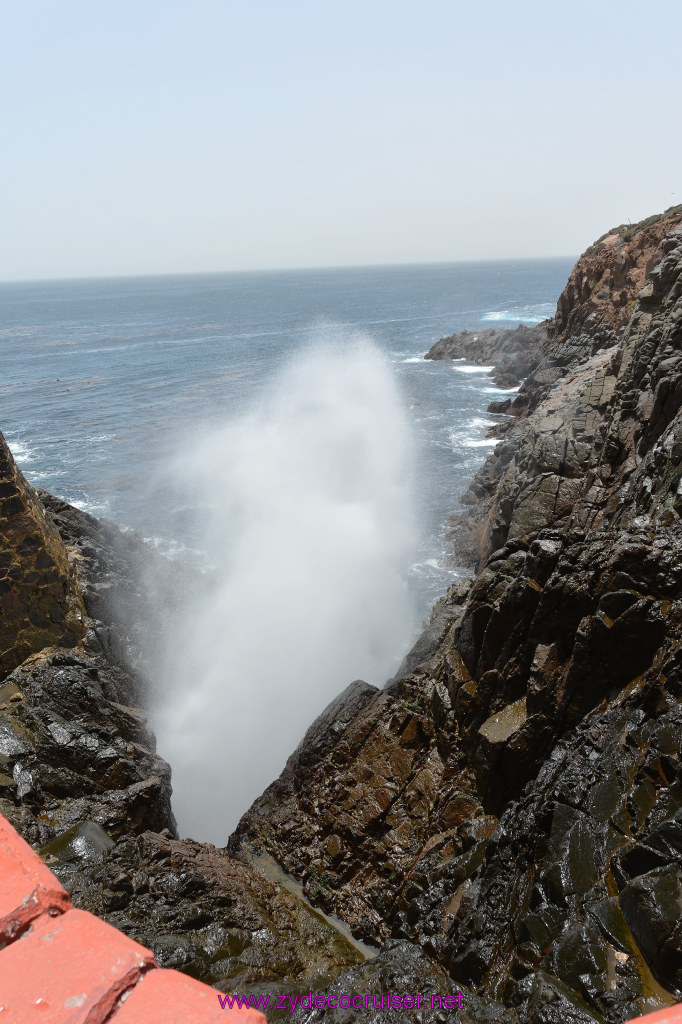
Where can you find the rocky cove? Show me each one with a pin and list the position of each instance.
(504, 818)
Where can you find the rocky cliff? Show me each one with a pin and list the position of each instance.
(505, 818)
(513, 805)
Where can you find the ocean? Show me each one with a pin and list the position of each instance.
(102, 377)
(284, 434)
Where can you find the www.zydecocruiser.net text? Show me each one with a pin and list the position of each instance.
(368, 1001)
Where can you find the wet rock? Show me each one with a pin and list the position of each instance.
(652, 904)
(500, 727)
(75, 754)
(85, 841)
(551, 1002)
(386, 988)
(446, 612)
(202, 912)
(512, 803)
(124, 582)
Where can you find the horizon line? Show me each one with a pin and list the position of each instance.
(276, 270)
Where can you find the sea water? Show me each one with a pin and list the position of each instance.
(284, 434)
(102, 378)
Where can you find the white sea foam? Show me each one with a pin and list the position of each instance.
(21, 452)
(36, 477)
(500, 391)
(532, 314)
(468, 368)
(486, 442)
(307, 520)
(468, 435)
(430, 567)
(95, 508)
(413, 359)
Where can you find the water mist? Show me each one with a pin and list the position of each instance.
(306, 519)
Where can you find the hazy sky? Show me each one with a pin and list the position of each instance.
(161, 137)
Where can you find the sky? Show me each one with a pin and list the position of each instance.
(153, 137)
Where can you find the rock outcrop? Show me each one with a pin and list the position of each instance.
(513, 353)
(513, 805)
(504, 819)
(40, 600)
(74, 741)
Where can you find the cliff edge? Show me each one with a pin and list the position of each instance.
(513, 805)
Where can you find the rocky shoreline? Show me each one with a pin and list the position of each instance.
(514, 354)
(505, 817)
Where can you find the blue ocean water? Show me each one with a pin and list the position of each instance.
(102, 377)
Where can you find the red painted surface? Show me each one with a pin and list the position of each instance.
(59, 965)
(671, 1015)
(168, 997)
(27, 888)
(68, 968)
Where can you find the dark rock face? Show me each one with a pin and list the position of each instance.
(74, 742)
(511, 806)
(202, 912)
(116, 572)
(380, 986)
(586, 411)
(69, 753)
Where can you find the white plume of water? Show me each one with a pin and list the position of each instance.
(307, 520)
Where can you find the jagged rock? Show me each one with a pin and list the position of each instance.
(446, 611)
(74, 754)
(381, 984)
(40, 601)
(512, 804)
(74, 743)
(651, 904)
(202, 912)
(118, 574)
(513, 353)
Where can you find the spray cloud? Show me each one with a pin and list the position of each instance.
(306, 517)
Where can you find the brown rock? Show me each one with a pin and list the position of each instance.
(41, 600)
